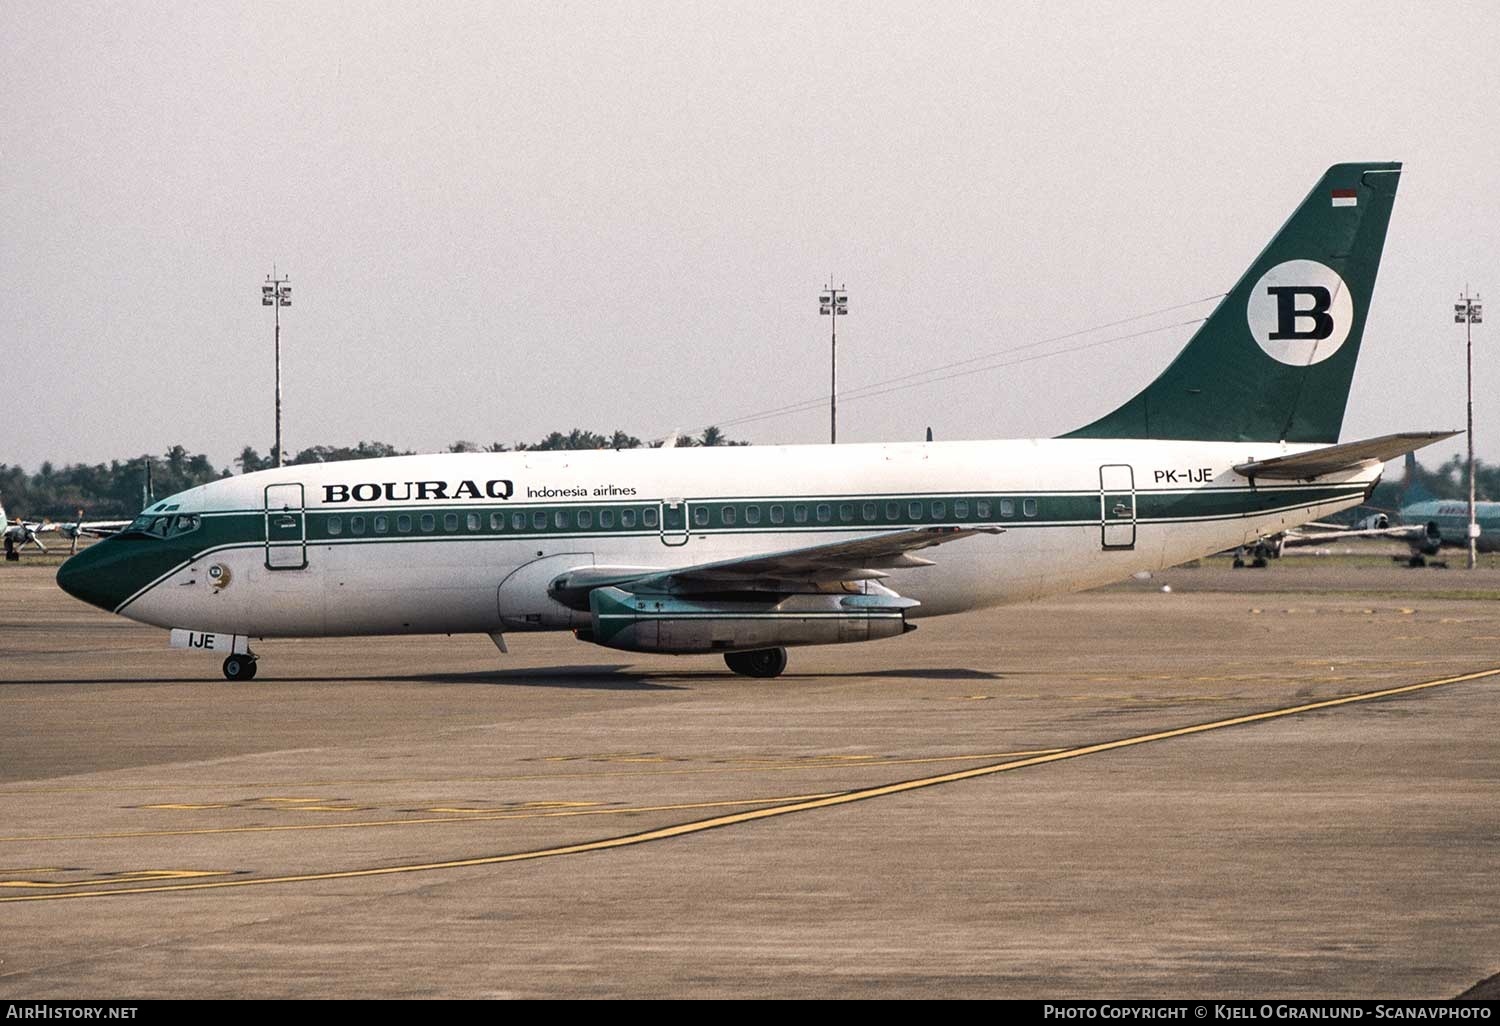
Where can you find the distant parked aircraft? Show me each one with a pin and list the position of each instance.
(1425, 523)
(20, 533)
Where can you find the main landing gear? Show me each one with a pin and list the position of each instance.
(1420, 559)
(761, 662)
(239, 667)
(1255, 556)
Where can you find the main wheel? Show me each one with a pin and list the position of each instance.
(238, 667)
(762, 662)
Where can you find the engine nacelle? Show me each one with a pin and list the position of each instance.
(682, 625)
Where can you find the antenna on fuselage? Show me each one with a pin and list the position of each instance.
(929, 433)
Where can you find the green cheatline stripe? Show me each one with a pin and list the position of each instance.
(153, 559)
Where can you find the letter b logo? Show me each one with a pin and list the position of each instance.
(1300, 312)
(1289, 312)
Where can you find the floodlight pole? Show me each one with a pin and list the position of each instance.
(277, 293)
(833, 303)
(1468, 312)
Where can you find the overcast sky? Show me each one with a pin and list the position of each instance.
(505, 219)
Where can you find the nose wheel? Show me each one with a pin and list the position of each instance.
(239, 667)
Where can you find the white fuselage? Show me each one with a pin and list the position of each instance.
(480, 564)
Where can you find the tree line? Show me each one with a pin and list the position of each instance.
(117, 490)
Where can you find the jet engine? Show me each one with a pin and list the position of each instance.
(740, 621)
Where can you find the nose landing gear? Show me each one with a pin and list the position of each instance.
(239, 667)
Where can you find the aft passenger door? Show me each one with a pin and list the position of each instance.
(286, 527)
(1117, 506)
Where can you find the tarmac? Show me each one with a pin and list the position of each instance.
(1272, 783)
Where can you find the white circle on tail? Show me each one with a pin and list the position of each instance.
(1300, 312)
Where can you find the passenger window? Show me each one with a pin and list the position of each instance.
(428, 521)
(846, 511)
(606, 518)
(560, 518)
(585, 518)
(1028, 507)
(539, 520)
(403, 524)
(982, 509)
(778, 514)
(472, 521)
(728, 513)
(450, 521)
(893, 511)
(1007, 508)
(497, 521)
(700, 516)
(649, 517)
(381, 524)
(939, 510)
(627, 518)
(914, 510)
(825, 513)
(799, 513)
(752, 514)
(356, 525)
(335, 525)
(961, 509)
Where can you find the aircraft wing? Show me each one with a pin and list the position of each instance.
(1294, 538)
(94, 528)
(860, 560)
(1304, 466)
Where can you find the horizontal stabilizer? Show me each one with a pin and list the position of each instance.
(1345, 456)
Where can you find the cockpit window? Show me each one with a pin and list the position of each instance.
(163, 526)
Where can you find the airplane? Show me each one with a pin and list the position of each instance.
(92, 528)
(748, 551)
(20, 533)
(1424, 522)
(1437, 523)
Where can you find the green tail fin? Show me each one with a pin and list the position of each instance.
(1274, 360)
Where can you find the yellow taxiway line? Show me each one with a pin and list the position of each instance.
(751, 815)
(476, 816)
(676, 766)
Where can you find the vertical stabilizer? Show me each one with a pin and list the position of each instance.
(1274, 360)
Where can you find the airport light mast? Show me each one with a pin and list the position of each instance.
(277, 292)
(1468, 311)
(833, 303)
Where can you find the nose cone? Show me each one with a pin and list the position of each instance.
(99, 575)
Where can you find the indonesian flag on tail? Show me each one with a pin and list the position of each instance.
(1345, 198)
